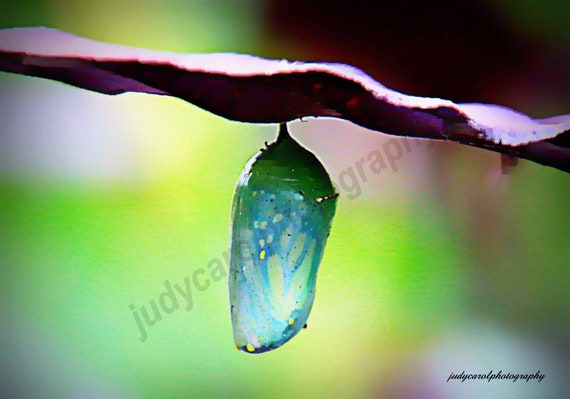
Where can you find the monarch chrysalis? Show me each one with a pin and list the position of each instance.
(282, 213)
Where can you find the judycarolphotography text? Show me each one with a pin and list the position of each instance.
(499, 375)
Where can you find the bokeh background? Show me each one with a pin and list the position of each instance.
(438, 264)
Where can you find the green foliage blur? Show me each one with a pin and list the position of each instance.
(436, 264)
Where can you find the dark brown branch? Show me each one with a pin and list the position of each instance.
(251, 89)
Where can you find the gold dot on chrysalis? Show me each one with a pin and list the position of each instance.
(262, 254)
(291, 321)
(250, 347)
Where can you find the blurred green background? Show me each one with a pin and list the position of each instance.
(438, 265)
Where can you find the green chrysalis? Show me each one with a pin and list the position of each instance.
(282, 213)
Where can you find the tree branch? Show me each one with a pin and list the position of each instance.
(252, 89)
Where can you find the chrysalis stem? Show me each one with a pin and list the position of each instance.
(283, 132)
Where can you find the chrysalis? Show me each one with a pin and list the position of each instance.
(282, 213)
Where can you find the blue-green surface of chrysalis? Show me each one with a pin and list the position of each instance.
(282, 213)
